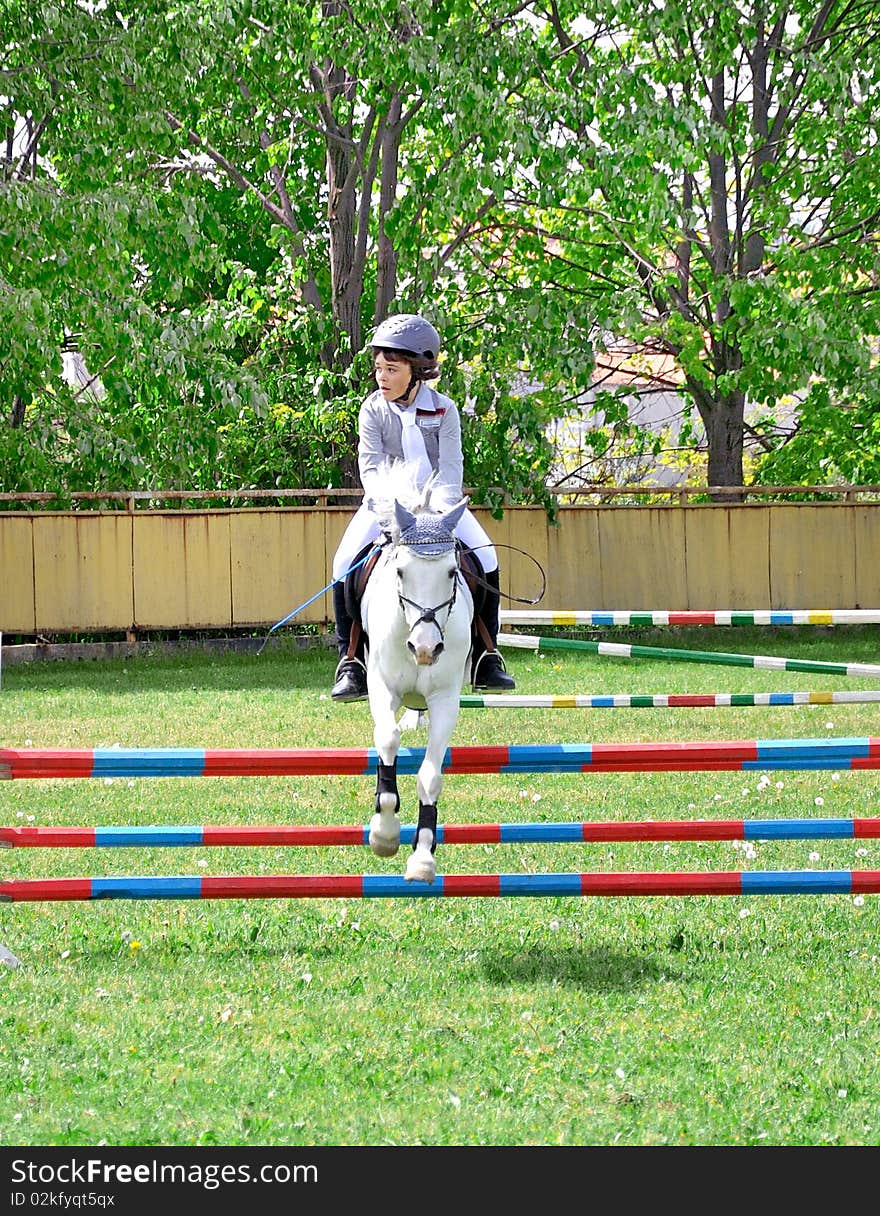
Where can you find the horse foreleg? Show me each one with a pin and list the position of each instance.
(420, 866)
(442, 717)
(385, 824)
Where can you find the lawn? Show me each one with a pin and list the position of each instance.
(659, 1020)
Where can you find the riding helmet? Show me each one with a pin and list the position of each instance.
(409, 333)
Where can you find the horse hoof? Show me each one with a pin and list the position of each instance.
(420, 869)
(384, 835)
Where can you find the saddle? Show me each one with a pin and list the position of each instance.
(357, 579)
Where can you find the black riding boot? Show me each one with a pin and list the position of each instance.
(487, 666)
(351, 674)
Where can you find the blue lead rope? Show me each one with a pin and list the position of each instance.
(311, 599)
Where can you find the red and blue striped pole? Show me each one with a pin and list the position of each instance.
(375, 886)
(450, 833)
(712, 755)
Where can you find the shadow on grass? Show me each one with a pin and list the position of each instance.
(596, 970)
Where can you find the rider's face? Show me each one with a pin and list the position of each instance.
(392, 375)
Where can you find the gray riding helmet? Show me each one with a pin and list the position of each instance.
(409, 333)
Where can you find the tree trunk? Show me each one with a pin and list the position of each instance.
(723, 419)
(386, 277)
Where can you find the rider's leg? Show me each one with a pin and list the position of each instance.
(350, 680)
(487, 665)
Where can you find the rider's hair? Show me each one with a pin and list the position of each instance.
(422, 368)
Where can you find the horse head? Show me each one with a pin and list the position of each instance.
(426, 561)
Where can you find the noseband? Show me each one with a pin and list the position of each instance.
(429, 615)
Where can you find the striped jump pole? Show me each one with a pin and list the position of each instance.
(729, 616)
(622, 650)
(665, 700)
(125, 837)
(691, 756)
(375, 886)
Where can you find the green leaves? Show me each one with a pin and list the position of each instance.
(628, 178)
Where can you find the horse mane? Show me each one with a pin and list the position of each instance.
(401, 486)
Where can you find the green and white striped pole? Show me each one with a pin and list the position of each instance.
(621, 650)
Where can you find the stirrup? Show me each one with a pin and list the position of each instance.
(489, 672)
(350, 681)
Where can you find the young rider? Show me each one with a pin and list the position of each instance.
(406, 420)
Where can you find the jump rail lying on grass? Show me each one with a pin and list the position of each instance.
(805, 616)
(622, 650)
(366, 886)
(664, 700)
(712, 755)
(183, 836)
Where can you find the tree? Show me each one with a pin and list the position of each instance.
(715, 199)
(264, 182)
(215, 203)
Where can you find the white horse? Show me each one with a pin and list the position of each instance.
(417, 612)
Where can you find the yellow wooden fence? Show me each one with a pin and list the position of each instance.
(67, 572)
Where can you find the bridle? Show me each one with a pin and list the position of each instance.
(429, 615)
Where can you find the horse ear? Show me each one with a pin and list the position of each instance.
(405, 519)
(451, 518)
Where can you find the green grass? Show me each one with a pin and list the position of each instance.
(632, 1021)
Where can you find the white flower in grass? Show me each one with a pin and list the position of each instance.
(28, 743)
(813, 857)
(749, 852)
(692, 806)
(620, 1074)
(746, 791)
(861, 852)
(454, 1100)
(820, 801)
(537, 797)
(554, 926)
(717, 797)
(744, 913)
(306, 977)
(835, 776)
(780, 785)
(841, 1093)
(858, 900)
(829, 726)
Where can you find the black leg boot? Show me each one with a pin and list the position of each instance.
(351, 673)
(487, 665)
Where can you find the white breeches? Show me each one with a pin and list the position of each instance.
(364, 529)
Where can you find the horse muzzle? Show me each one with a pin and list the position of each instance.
(425, 656)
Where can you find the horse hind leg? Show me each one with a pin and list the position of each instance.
(385, 824)
(421, 866)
